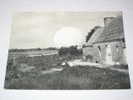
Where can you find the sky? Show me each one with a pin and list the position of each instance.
(53, 29)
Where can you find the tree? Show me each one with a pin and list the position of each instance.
(72, 50)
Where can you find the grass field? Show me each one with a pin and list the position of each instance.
(78, 77)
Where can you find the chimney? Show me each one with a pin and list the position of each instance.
(107, 20)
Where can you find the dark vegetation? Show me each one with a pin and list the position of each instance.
(73, 51)
(73, 78)
(121, 67)
(78, 77)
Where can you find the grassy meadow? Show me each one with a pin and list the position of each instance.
(26, 73)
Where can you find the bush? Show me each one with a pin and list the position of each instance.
(70, 51)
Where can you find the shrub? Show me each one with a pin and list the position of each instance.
(70, 51)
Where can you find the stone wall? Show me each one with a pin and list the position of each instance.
(91, 54)
(97, 53)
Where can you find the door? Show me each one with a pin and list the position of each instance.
(108, 59)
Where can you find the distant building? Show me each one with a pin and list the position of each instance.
(107, 44)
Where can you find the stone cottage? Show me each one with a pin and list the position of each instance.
(108, 43)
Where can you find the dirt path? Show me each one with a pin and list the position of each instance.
(120, 70)
(81, 63)
(52, 70)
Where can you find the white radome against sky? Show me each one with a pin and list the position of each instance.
(68, 36)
